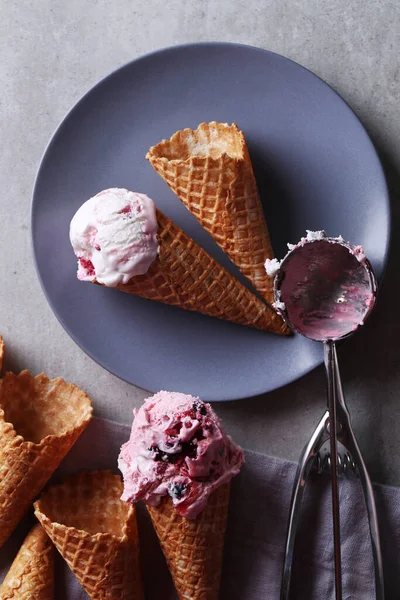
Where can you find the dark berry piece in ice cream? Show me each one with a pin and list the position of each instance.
(199, 407)
(188, 449)
(177, 490)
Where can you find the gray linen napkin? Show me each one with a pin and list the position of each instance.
(255, 538)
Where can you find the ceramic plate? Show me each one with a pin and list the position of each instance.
(316, 169)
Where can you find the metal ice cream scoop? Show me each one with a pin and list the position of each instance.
(324, 289)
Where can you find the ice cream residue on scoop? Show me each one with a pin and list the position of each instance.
(324, 266)
(312, 236)
(325, 287)
(114, 236)
(177, 447)
(359, 253)
(272, 266)
(279, 306)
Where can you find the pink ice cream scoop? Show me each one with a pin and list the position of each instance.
(114, 236)
(177, 447)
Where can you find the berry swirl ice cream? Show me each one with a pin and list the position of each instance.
(114, 236)
(177, 448)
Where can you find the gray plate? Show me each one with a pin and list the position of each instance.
(316, 169)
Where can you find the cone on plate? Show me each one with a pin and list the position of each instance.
(95, 532)
(210, 171)
(31, 576)
(193, 548)
(40, 419)
(184, 275)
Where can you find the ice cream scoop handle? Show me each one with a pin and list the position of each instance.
(306, 463)
(332, 373)
(352, 446)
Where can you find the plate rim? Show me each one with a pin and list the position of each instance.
(178, 48)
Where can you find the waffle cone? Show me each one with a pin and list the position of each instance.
(31, 576)
(193, 548)
(209, 169)
(95, 532)
(185, 275)
(1, 353)
(40, 419)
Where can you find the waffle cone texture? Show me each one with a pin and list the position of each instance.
(193, 548)
(1, 353)
(31, 576)
(40, 419)
(210, 171)
(185, 275)
(95, 532)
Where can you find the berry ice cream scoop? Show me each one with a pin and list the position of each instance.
(177, 448)
(114, 236)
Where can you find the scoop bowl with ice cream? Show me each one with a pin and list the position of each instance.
(324, 287)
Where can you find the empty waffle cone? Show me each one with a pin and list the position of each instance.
(31, 576)
(193, 548)
(95, 532)
(209, 169)
(185, 275)
(40, 419)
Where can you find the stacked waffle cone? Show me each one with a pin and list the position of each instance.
(40, 419)
(193, 548)
(95, 532)
(31, 576)
(185, 275)
(210, 171)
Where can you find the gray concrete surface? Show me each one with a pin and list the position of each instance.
(52, 51)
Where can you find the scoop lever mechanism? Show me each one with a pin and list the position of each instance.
(311, 458)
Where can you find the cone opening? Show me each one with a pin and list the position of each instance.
(89, 502)
(211, 140)
(38, 407)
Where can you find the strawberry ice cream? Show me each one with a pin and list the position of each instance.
(177, 447)
(114, 236)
